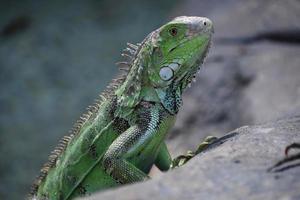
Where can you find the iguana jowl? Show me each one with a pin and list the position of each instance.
(122, 136)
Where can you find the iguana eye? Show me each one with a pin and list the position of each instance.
(166, 73)
(173, 31)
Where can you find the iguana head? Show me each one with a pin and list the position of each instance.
(166, 62)
(179, 48)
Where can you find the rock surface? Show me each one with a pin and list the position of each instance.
(56, 56)
(240, 84)
(235, 168)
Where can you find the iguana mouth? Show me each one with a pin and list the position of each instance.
(190, 76)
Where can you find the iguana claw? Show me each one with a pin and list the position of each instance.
(182, 159)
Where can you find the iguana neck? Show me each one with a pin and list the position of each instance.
(136, 87)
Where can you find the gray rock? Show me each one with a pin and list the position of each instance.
(240, 84)
(54, 65)
(235, 168)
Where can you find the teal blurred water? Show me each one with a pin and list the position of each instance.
(53, 62)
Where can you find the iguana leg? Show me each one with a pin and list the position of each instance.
(163, 160)
(114, 160)
(182, 159)
(287, 159)
(134, 141)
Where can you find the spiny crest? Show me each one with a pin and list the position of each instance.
(129, 92)
(129, 54)
(63, 143)
(91, 110)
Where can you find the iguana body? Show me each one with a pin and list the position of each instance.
(122, 136)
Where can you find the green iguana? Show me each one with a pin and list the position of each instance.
(122, 135)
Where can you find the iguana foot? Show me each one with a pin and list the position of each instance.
(182, 159)
(287, 159)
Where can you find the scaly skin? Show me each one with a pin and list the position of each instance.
(122, 136)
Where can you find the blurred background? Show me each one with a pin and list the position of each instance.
(57, 56)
